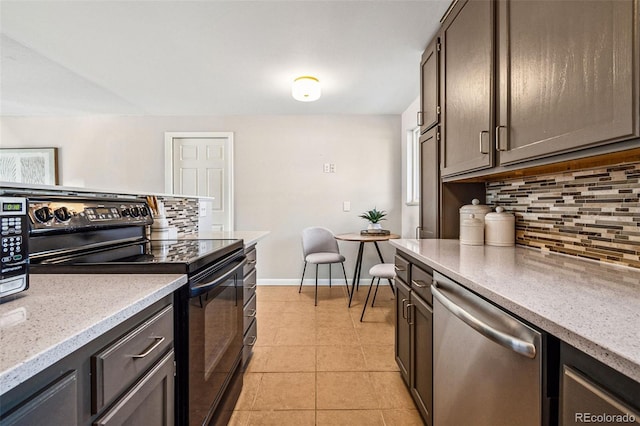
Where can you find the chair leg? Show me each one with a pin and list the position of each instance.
(376, 292)
(346, 283)
(316, 285)
(302, 279)
(364, 308)
(329, 275)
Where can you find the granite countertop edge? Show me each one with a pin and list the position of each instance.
(33, 364)
(575, 335)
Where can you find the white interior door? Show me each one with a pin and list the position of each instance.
(201, 164)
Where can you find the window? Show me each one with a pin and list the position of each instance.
(413, 167)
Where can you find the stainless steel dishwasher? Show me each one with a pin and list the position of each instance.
(487, 364)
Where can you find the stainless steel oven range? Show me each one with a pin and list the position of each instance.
(93, 235)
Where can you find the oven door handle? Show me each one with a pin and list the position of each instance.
(219, 277)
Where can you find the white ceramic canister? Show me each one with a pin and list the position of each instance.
(472, 231)
(475, 208)
(500, 228)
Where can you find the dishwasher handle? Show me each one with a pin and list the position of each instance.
(517, 345)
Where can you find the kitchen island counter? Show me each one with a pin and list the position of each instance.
(592, 306)
(60, 313)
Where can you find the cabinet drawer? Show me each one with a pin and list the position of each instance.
(421, 283)
(251, 256)
(249, 284)
(402, 268)
(250, 338)
(125, 360)
(149, 402)
(249, 313)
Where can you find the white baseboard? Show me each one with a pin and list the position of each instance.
(309, 281)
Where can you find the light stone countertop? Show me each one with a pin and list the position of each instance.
(60, 313)
(593, 306)
(249, 237)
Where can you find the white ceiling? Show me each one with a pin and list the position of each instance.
(211, 57)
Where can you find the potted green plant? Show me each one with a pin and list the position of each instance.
(374, 217)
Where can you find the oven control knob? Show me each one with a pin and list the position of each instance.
(144, 211)
(43, 214)
(62, 214)
(135, 211)
(125, 212)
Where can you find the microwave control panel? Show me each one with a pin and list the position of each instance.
(14, 238)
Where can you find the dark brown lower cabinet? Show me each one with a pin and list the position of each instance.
(403, 333)
(421, 373)
(414, 340)
(149, 401)
(55, 404)
(122, 377)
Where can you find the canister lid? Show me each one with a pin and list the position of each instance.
(500, 214)
(475, 207)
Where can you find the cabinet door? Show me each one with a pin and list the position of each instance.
(421, 319)
(403, 337)
(148, 402)
(429, 184)
(429, 93)
(567, 76)
(56, 404)
(467, 87)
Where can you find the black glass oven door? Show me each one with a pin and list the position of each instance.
(215, 343)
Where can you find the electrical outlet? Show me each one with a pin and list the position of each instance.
(326, 168)
(346, 206)
(202, 209)
(332, 168)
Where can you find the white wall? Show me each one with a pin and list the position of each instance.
(410, 214)
(279, 182)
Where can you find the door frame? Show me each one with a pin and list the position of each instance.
(168, 165)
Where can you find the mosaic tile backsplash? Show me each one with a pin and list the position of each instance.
(593, 213)
(181, 213)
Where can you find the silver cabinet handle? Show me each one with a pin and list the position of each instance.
(252, 314)
(498, 139)
(519, 346)
(419, 283)
(251, 262)
(418, 228)
(253, 287)
(158, 342)
(482, 133)
(409, 316)
(404, 308)
(419, 119)
(398, 268)
(253, 342)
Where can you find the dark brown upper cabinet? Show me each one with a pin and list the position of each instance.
(429, 113)
(466, 83)
(429, 185)
(567, 77)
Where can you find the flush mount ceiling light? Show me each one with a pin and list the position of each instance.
(306, 89)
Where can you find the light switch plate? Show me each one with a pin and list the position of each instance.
(346, 206)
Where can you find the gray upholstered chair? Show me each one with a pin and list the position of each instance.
(320, 247)
(381, 270)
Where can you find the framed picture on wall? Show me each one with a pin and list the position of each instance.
(37, 166)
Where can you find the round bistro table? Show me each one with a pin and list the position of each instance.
(362, 239)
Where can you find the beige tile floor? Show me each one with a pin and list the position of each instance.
(319, 365)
